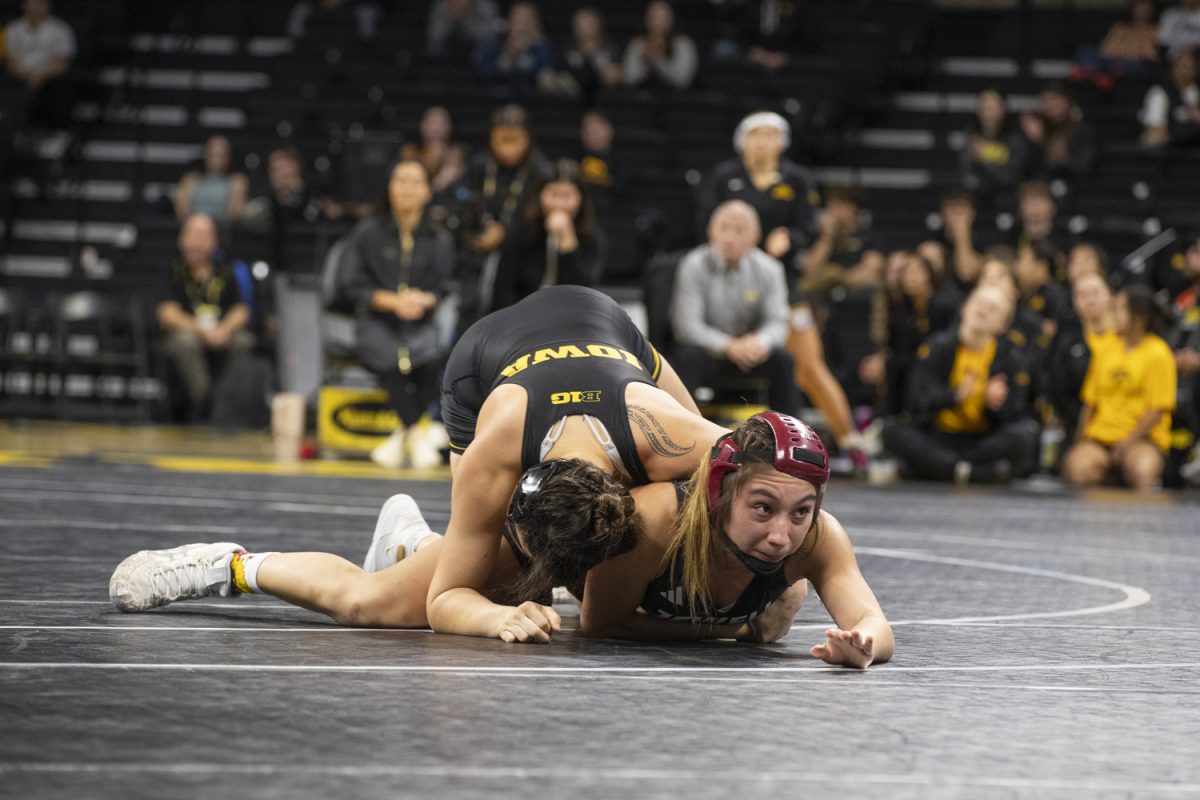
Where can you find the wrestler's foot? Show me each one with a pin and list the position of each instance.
(400, 532)
(152, 578)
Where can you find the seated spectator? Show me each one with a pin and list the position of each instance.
(592, 63)
(1128, 396)
(968, 402)
(38, 50)
(660, 58)
(1037, 212)
(523, 58)
(729, 309)
(1025, 327)
(332, 19)
(764, 32)
(993, 157)
(604, 172)
(1086, 257)
(1171, 112)
(959, 239)
(1129, 48)
(844, 254)
(398, 268)
(214, 190)
(1074, 349)
(444, 159)
(1061, 145)
(1184, 340)
(557, 241)
(1040, 294)
(458, 29)
(497, 185)
(918, 308)
(1179, 27)
(783, 193)
(203, 316)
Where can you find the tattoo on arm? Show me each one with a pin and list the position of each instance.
(660, 441)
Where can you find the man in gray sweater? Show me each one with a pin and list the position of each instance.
(729, 309)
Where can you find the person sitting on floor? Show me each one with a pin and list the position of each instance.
(968, 401)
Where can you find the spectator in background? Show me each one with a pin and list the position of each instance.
(497, 186)
(557, 241)
(844, 254)
(1037, 211)
(291, 201)
(592, 63)
(1061, 145)
(398, 268)
(764, 32)
(435, 149)
(994, 153)
(1040, 294)
(1184, 340)
(729, 309)
(1074, 349)
(202, 315)
(458, 29)
(1000, 272)
(1128, 396)
(522, 57)
(38, 50)
(783, 193)
(331, 19)
(660, 58)
(1171, 112)
(963, 258)
(215, 189)
(1179, 27)
(1129, 48)
(604, 172)
(917, 308)
(968, 402)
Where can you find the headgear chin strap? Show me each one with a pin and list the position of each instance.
(797, 451)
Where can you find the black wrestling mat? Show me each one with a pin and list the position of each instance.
(1047, 646)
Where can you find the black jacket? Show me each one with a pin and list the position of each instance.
(930, 390)
(791, 203)
(372, 260)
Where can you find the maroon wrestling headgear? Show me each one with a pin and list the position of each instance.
(798, 452)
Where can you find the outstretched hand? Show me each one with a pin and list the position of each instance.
(847, 648)
(529, 622)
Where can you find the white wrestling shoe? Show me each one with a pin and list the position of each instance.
(399, 533)
(423, 450)
(152, 578)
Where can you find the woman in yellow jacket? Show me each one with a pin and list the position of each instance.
(1128, 396)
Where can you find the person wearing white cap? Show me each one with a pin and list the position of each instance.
(782, 192)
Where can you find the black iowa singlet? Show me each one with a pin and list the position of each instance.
(573, 349)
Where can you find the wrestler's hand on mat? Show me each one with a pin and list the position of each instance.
(849, 648)
(774, 623)
(529, 622)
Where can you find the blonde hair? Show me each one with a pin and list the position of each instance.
(696, 530)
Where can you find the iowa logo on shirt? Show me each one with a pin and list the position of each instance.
(562, 398)
(546, 354)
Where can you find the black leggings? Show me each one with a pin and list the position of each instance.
(412, 394)
(932, 454)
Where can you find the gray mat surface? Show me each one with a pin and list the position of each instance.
(1047, 646)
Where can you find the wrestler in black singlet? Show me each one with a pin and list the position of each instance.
(573, 349)
(664, 597)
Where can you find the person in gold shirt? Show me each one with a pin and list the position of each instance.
(968, 401)
(1128, 397)
(1074, 350)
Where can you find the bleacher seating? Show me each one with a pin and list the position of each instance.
(881, 101)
